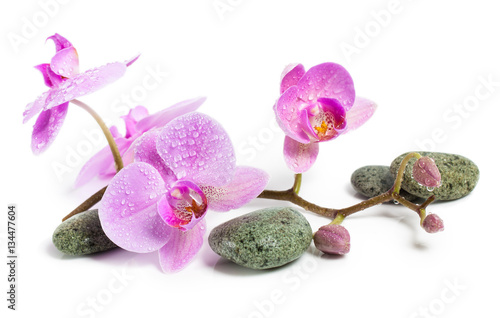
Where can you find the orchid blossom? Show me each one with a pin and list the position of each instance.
(316, 106)
(158, 203)
(137, 122)
(66, 83)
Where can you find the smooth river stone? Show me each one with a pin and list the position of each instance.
(371, 181)
(459, 176)
(263, 239)
(81, 234)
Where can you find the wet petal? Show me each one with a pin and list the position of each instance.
(328, 80)
(128, 209)
(196, 147)
(65, 62)
(60, 42)
(299, 157)
(131, 119)
(161, 118)
(291, 76)
(50, 78)
(287, 115)
(361, 111)
(35, 107)
(85, 83)
(145, 151)
(182, 248)
(47, 127)
(246, 185)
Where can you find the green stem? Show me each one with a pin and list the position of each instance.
(105, 130)
(297, 182)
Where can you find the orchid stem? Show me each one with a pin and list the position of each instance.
(105, 130)
(338, 215)
(87, 204)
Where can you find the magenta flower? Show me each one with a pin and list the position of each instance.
(137, 122)
(317, 106)
(426, 172)
(158, 203)
(66, 83)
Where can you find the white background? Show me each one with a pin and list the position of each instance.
(420, 62)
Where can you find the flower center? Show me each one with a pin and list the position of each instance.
(187, 201)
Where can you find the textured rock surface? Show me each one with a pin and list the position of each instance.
(459, 176)
(371, 181)
(81, 234)
(263, 239)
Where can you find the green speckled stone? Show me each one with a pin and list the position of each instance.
(81, 234)
(459, 176)
(263, 239)
(371, 181)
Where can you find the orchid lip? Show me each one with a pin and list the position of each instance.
(183, 205)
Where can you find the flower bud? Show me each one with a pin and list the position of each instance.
(433, 224)
(426, 172)
(332, 239)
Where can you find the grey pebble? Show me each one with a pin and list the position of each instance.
(263, 239)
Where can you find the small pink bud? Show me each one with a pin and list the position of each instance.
(433, 224)
(426, 172)
(333, 239)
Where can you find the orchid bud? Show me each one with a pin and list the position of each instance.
(332, 239)
(433, 224)
(426, 172)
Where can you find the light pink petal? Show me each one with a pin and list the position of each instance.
(145, 151)
(131, 119)
(291, 76)
(161, 118)
(102, 163)
(128, 211)
(287, 114)
(132, 60)
(50, 78)
(35, 107)
(328, 80)
(361, 111)
(197, 148)
(47, 127)
(60, 42)
(65, 62)
(85, 83)
(246, 185)
(182, 248)
(299, 157)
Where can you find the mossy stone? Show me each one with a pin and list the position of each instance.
(81, 234)
(263, 239)
(459, 176)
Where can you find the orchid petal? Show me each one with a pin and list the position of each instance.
(65, 62)
(182, 248)
(50, 78)
(85, 83)
(161, 118)
(60, 42)
(132, 60)
(196, 147)
(287, 115)
(131, 119)
(128, 211)
(361, 111)
(328, 80)
(96, 165)
(246, 185)
(47, 127)
(299, 157)
(145, 151)
(291, 76)
(35, 107)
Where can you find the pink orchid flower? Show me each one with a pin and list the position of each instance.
(316, 106)
(158, 203)
(66, 83)
(137, 122)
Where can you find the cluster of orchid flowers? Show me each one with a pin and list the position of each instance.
(170, 167)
